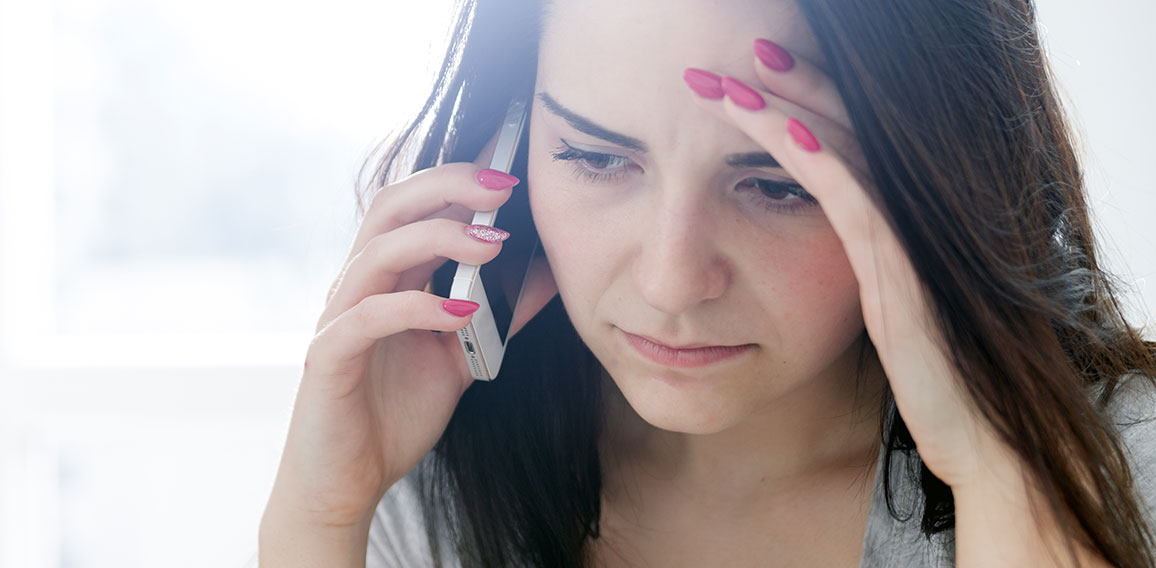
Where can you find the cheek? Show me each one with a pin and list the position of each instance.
(815, 277)
(575, 237)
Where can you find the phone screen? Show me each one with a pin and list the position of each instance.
(503, 277)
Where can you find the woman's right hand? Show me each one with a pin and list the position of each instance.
(378, 387)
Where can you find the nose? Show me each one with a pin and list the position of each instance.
(679, 263)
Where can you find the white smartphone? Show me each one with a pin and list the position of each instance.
(497, 285)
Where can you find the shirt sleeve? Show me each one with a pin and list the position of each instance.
(1133, 408)
(397, 537)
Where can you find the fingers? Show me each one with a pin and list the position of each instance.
(340, 348)
(759, 113)
(824, 173)
(847, 204)
(818, 165)
(453, 191)
(457, 190)
(795, 78)
(891, 293)
(417, 247)
(877, 258)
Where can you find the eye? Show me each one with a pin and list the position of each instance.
(593, 166)
(778, 195)
(601, 162)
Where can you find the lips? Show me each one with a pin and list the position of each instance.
(689, 355)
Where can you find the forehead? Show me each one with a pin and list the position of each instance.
(624, 59)
(706, 33)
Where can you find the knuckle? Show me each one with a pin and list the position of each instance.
(410, 302)
(315, 360)
(403, 307)
(337, 283)
(377, 247)
(365, 312)
(382, 200)
(446, 234)
(399, 307)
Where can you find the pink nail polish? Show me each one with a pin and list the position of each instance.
(802, 135)
(773, 56)
(460, 307)
(705, 83)
(493, 179)
(486, 233)
(742, 95)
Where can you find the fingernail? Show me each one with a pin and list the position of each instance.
(705, 83)
(460, 307)
(802, 135)
(486, 233)
(773, 56)
(493, 179)
(741, 94)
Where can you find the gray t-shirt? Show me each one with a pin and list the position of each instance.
(397, 536)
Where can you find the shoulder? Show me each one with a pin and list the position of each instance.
(1132, 405)
(1132, 410)
(397, 534)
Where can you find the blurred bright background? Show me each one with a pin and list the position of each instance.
(176, 195)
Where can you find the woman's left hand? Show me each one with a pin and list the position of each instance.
(780, 115)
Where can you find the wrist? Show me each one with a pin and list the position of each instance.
(1002, 519)
(993, 464)
(289, 536)
(288, 504)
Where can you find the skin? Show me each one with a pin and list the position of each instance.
(679, 247)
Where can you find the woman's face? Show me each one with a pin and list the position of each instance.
(662, 222)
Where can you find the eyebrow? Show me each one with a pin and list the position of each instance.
(587, 126)
(752, 160)
(583, 124)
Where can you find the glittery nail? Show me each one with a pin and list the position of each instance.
(486, 233)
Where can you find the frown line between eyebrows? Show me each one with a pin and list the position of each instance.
(587, 126)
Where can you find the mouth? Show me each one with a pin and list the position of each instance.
(685, 356)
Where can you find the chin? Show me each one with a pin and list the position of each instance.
(688, 411)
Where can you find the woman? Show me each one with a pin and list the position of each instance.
(829, 301)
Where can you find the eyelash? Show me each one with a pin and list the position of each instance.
(578, 158)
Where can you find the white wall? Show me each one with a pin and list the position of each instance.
(1102, 54)
(176, 195)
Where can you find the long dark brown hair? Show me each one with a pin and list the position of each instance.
(953, 104)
